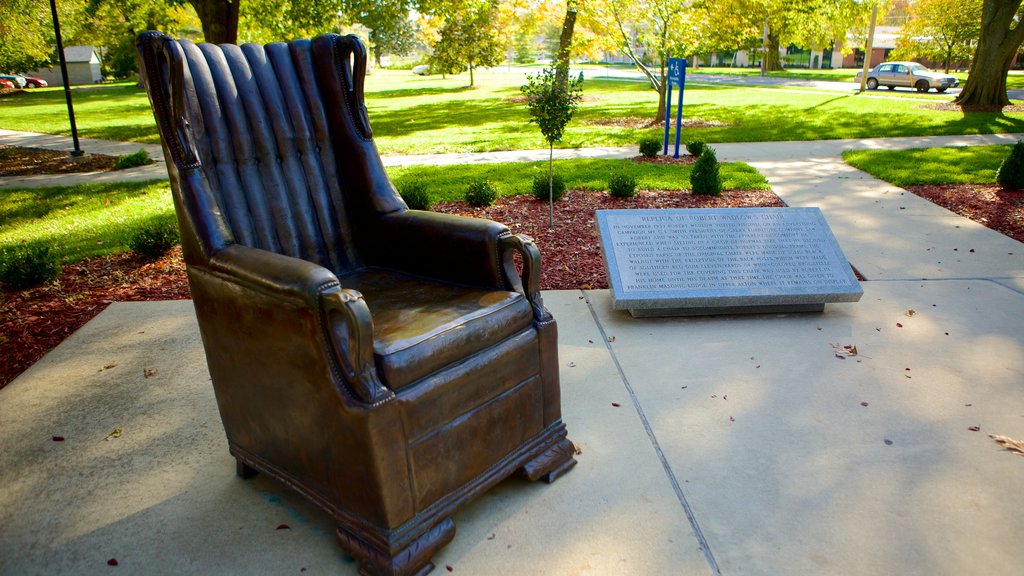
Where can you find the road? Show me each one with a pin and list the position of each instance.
(727, 79)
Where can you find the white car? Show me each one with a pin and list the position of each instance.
(908, 74)
(422, 69)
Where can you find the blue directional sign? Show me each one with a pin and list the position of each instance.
(676, 77)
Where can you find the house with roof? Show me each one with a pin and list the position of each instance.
(83, 67)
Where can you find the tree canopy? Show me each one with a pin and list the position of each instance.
(941, 30)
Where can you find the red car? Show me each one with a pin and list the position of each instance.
(31, 82)
(4, 83)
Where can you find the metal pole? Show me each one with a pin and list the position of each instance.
(679, 108)
(64, 74)
(668, 114)
(868, 49)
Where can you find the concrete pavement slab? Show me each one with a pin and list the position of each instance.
(799, 462)
(162, 497)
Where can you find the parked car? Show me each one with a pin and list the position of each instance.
(422, 69)
(31, 82)
(18, 81)
(908, 74)
(4, 83)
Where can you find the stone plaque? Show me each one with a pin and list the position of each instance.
(723, 261)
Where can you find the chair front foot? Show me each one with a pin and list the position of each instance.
(412, 560)
(243, 470)
(551, 464)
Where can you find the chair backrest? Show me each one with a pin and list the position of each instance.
(268, 146)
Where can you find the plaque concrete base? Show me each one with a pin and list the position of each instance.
(713, 310)
(723, 261)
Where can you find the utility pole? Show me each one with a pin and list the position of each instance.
(64, 74)
(869, 48)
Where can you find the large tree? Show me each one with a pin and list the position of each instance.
(663, 28)
(26, 32)
(469, 39)
(940, 30)
(1001, 36)
(219, 18)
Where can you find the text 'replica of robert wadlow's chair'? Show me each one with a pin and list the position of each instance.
(387, 364)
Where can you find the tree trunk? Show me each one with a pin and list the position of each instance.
(219, 19)
(772, 60)
(997, 43)
(470, 74)
(565, 48)
(551, 184)
(661, 91)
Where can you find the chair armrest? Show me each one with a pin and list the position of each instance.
(346, 324)
(444, 246)
(529, 283)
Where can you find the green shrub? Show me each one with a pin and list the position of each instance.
(28, 265)
(649, 147)
(140, 158)
(414, 193)
(622, 186)
(696, 148)
(540, 187)
(481, 193)
(155, 238)
(705, 179)
(1011, 171)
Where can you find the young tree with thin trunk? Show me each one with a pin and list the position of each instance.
(552, 105)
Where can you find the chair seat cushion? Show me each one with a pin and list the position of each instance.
(421, 325)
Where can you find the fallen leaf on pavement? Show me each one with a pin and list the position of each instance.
(1009, 443)
(845, 350)
(910, 313)
(116, 433)
(975, 428)
(149, 372)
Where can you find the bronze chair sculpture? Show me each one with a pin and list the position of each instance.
(387, 364)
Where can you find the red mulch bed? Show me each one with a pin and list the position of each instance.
(16, 161)
(986, 204)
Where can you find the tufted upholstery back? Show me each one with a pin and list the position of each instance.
(274, 139)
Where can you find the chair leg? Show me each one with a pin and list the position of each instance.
(551, 464)
(412, 560)
(243, 470)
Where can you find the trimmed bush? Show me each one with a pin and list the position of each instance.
(540, 187)
(705, 179)
(415, 195)
(481, 193)
(622, 186)
(154, 239)
(140, 158)
(696, 148)
(1011, 171)
(649, 147)
(28, 265)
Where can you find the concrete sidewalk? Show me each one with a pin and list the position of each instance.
(740, 445)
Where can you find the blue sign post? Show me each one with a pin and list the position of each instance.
(676, 77)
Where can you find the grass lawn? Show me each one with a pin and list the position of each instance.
(428, 114)
(963, 165)
(81, 221)
(95, 219)
(118, 111)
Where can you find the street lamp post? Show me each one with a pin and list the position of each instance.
(64, 74)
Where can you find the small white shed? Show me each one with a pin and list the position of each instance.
(83, 67)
